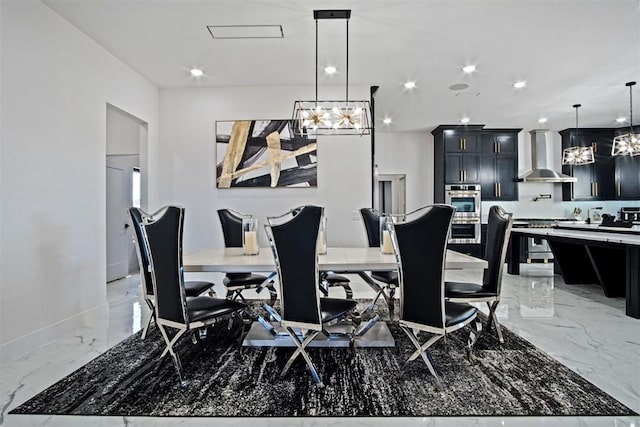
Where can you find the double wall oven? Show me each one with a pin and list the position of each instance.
(465, 228)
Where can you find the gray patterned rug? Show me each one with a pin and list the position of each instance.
(510, 379)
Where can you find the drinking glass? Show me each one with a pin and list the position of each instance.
(386, 245)
(250, 236)
(321, 245)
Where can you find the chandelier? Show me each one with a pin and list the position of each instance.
(629, 143)
(577, 155)
(342, 117)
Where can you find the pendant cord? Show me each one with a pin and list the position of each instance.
(347, 65)
(577, 129)
(316, 63)
(630, 109)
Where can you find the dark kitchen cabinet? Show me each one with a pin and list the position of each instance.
(499, 164)
(461, 168)
(595, 181)
(456, 156)
(461, 140)
(473, 155)
(627, 173)
(627, 177)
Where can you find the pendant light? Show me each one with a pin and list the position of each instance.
(577, 155)
(343, 117)
(629, 143)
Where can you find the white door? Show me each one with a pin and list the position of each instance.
(117, 230)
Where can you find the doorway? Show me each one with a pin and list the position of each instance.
(391, 193)
(126, 140)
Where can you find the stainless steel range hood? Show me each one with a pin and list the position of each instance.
(540, 171)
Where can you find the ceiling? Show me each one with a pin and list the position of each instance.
(568, 52)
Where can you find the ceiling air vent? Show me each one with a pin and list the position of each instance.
(246, 31)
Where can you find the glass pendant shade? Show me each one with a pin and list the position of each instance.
(338, 117)
(577, 155)
(629, 143)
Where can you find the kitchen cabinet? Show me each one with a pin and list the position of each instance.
(595, 181)
(473, 155)
(627, 172)
(456, 156)
(461, 168)
(499, 164)
(627, 177)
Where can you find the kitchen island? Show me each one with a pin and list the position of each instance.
(607, 256)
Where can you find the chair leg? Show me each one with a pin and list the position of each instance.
(301, 349)
(170, 343)
(475, 328)
(152, 316)
(273, 294)
(422, 351)
(494, 319)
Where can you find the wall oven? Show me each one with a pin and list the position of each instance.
(465, 198)
(465, 230)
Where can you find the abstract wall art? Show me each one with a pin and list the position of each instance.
(264, 153)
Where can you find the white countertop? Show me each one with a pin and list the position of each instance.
(611, 235)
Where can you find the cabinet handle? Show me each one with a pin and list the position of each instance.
(461, 147)
(465, 172)
(495, 189)
(593, 193)
(498, 145)
(594, 147)
(619, 188)
(499, 190)
(464, 143)
(596, 183)
(461, 176)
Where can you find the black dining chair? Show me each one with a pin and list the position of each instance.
(236, 283)
(329, 279)
(387, 280)
(420, 245)
(499, 225)
(163, 236)
(192, 288)
(303, 312)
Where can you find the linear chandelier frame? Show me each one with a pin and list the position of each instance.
(332, 117)
(629, 143)
(578, 154)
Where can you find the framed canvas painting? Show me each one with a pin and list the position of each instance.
(264, 153)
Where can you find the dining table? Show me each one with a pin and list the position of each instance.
(355, 260)
(345, 259)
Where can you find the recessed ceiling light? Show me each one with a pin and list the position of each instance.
(330, 69)
(410, 85)
(542, 120)
(464, 120)
(386, 120)
(520, 85)
(621, 119)
(469, 68)
(196, 72)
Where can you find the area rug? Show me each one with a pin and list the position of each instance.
(510, 379)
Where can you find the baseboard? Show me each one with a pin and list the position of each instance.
(26, 344)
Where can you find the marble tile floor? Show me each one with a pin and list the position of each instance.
(575, 324)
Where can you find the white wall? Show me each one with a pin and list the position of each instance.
(123, 132)
(187, 164)
(56, 83)
(409, 153)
